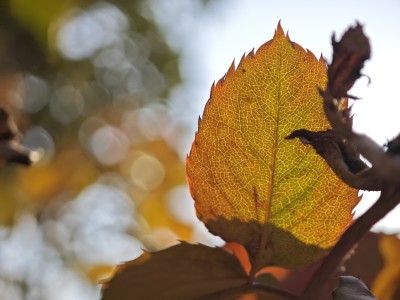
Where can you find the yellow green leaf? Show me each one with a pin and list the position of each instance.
(183, 271)
(275, 197)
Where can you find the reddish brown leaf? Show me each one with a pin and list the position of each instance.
(349, 55)
(183, 271)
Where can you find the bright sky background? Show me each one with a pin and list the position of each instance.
(211, 39)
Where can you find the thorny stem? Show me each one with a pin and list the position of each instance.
(388, 200)
(349, 56)
(386, 166)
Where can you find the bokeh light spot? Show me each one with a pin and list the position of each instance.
(90, 30)
(109, 145)
(33, 95)
(39, 139)
(147, 171)
(67, 104)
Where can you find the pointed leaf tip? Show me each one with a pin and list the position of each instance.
(287, 35)
(251, 53)
(231, 69)
(279, 30)
(279, 26)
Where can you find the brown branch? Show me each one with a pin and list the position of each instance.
(348, 59)
(388, 200)
(349, 55)
(11, 151)
(387, 167)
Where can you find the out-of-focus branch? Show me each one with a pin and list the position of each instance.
(341, 156)
(386, 167)
(341, 148)
(11, 151)
(388, 200)
(349, 55)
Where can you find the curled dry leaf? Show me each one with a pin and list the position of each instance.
(349, 56)
(250, 186)
(324, 141)
(341, 156)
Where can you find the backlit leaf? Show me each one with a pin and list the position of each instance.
(184, 271)
(276, 197)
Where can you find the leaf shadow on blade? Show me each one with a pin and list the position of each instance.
(187, 271)
(282, 249)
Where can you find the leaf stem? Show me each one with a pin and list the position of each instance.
(255, 264)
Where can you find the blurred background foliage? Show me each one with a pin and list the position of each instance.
(88, 83)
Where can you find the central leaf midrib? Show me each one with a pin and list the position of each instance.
(264, 240)
(274, 148)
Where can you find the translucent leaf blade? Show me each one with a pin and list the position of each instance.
(249, 184)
